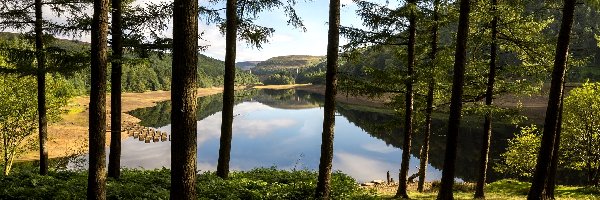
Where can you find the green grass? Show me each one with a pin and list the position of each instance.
(511, 190)
(262, 183)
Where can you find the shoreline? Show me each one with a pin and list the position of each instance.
(69, 136)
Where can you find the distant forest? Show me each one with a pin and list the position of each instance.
(148, 72)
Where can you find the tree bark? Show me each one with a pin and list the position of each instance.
(97, 122)
(183, 98)
(489, 98)
(114, 162)
(228, 90)
(424, 156)
(551, 182)
(460, 58)
(325, 163)
(41, 84)
(408, 110)
(554, 100)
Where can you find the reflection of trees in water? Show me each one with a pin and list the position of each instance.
(384, 127)
(379, 123)
(287, 99)
(160, 115)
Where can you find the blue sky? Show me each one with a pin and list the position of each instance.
(286, 40)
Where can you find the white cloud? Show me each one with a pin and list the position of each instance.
(258, 128)
(362, 168)
(379, 147)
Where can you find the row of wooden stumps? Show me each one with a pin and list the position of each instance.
(143, 133)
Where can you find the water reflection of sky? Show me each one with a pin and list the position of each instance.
(288, 139)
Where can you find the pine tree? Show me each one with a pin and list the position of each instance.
(551, 122)
(97, 120)
(460, 58)
(228, 90)
(324, 180)
(114, 162)
(183, 99)
(424, 153)
(239, 22)
(489, 97)
(409, 101)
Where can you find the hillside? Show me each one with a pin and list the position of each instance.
(148, 72)
(290, 62)
(247, 65)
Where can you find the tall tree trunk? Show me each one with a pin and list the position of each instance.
(460, 59)
(228, 91)
(408, 110)
(324, 180)
(424, 156)
(489, 98)
(97, 136)
(114, 162)
(551, 182)
(41, 81)
(554, 100)
(183, 98)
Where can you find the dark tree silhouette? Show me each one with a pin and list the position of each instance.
(97, 121)
(325, 163)
(183, 100)
(424, 154)
(114, 159)
(551, 122)
(551, 182)
(460, 57)
(228, 90)
(41, 83)
(409, 104)
(489, 97)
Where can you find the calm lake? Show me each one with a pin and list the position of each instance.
(282, 128)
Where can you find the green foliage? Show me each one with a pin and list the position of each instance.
(314, 75)
(581, 121)
(279, 79)
(579, 144)
(261, 183)
(18, 112)
(521, 155)
(286, 64)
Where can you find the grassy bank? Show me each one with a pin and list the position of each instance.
(500, 190)
(262, 183)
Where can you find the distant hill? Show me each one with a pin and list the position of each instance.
(247, 65)
(289, 62)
